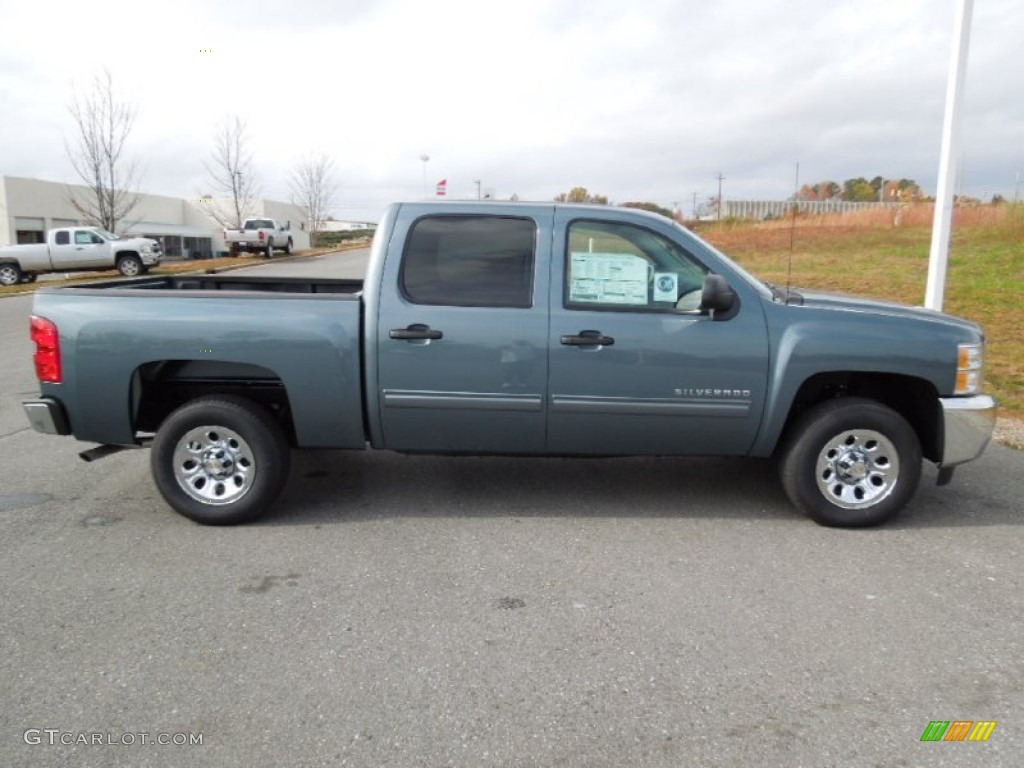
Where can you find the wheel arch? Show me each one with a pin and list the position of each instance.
(914, 398)
(160, 387)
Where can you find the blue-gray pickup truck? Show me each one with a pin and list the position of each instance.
(516, 329)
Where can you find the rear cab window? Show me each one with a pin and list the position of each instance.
(470, 261)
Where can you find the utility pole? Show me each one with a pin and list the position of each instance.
(721, 178)
(477, 182)
(694, 206)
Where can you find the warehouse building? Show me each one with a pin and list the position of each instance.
(29, 207)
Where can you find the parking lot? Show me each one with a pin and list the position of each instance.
(425, 611)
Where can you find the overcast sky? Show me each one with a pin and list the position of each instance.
(642, 100)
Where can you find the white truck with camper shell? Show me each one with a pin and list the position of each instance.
(259, 236)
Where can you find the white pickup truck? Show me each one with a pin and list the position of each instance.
(74, 249)
(259, 236)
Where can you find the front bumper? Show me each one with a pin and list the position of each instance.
(967, 426)
(150, 259)
(47, 415)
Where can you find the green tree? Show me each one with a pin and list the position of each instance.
(859, 190)
(652, 207)
(581, 195)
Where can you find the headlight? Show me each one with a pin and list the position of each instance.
(969, 363)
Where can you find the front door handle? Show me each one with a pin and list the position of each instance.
(415, 332)
(588, 339)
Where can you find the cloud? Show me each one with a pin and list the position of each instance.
(636, 101)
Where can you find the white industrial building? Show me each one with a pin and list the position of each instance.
(29, 207)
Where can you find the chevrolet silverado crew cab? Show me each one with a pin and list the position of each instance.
(78, 248)
(516, 329)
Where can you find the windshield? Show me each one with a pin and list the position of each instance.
(760, 285)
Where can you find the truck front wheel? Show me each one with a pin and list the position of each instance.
(130, 265)
(220, 460)
(850, 463)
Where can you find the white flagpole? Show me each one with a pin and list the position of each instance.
(942, 224)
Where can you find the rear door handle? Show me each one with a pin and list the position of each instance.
(588, 339)
(415, 332)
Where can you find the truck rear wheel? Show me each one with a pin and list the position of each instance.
(851, 463)
(269, 252)
(130, 265)
(220, 460)
(10, 274)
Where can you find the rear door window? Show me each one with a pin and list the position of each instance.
(470, 261)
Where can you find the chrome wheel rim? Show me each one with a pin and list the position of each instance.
(858, 468)
(214, 465)
(129, 268)
(9, 276)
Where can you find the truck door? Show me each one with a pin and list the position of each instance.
(79, 248)
(461, 343)
(635, 367)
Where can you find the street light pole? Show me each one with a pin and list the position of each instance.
(939, 252)
(425, 159)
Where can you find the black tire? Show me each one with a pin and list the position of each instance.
(288, 247)
(220, 460)
(850, 463)
(269, 250)
(129, 265)
(10, 274)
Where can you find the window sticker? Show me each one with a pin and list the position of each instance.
(666, 286)
(608, 278)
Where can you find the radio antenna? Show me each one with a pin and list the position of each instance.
(792, 232)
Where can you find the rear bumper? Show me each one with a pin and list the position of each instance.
(967, 426)
(47, 415)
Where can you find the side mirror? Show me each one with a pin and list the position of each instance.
(717, 297)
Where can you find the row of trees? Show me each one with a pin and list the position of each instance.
(860, 190)
(98, 153)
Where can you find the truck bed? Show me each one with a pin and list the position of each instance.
(235, 283)
(302, 334)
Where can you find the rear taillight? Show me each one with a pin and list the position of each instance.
(263, 235)
(47, 356)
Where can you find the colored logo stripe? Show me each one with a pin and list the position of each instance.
(982, 730)
(958, 730)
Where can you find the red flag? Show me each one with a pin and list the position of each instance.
(442, 187)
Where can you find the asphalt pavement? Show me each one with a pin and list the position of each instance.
(424, 611)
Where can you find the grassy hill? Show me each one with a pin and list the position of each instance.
(884, 254)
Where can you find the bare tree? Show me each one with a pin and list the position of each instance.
(103, 125)
(313, 187)
(230, 169)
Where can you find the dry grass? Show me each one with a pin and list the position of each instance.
(884, 254)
